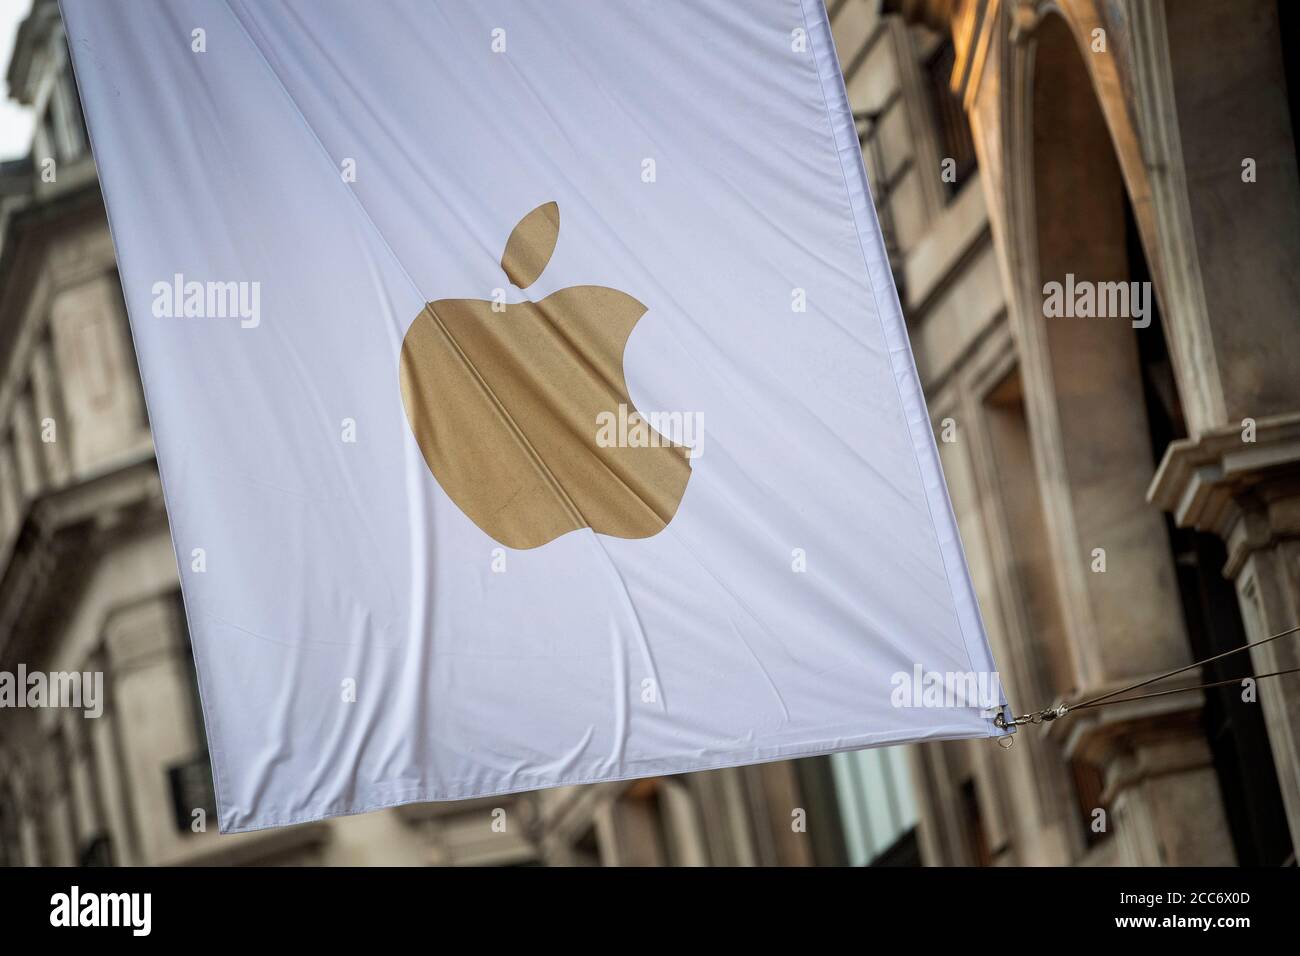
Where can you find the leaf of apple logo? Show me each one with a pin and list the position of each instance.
(504, 407)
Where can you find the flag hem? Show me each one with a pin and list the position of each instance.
(432, 795)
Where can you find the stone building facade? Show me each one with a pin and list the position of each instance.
(89, 583)
(1010, 145)
(1126, 475)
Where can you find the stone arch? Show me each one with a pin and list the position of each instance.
(1066, 193)
(1109, 399)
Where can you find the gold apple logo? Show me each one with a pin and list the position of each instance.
(504, 404)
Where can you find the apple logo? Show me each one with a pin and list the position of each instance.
(504, 403)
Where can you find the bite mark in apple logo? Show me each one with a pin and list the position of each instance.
(504, 406)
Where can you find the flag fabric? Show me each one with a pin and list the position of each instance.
(530, 392)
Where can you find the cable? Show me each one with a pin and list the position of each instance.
(1052, 713)
(1183, 690)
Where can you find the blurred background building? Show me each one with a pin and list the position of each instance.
(1008, 144)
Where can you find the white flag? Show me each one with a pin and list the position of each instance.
(530, 392)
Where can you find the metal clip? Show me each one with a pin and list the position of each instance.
(1042, 717)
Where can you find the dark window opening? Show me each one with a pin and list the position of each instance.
(977, 843)
(1288, 21)
(96, 851)
(905, 851)
(586, 849)
(190, 781)
(882, 178)
(1089, 788)
(80, 136)
(951, 125)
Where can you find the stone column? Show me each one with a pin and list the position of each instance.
(31, 844)
(87, 812)
(56, 800)
(115, 789)
(26, 439)
(1221, 152)
(46, 403)
(152, 691)
(1160, 785)
(1248, 493)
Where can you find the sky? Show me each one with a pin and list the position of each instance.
(15, 120)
